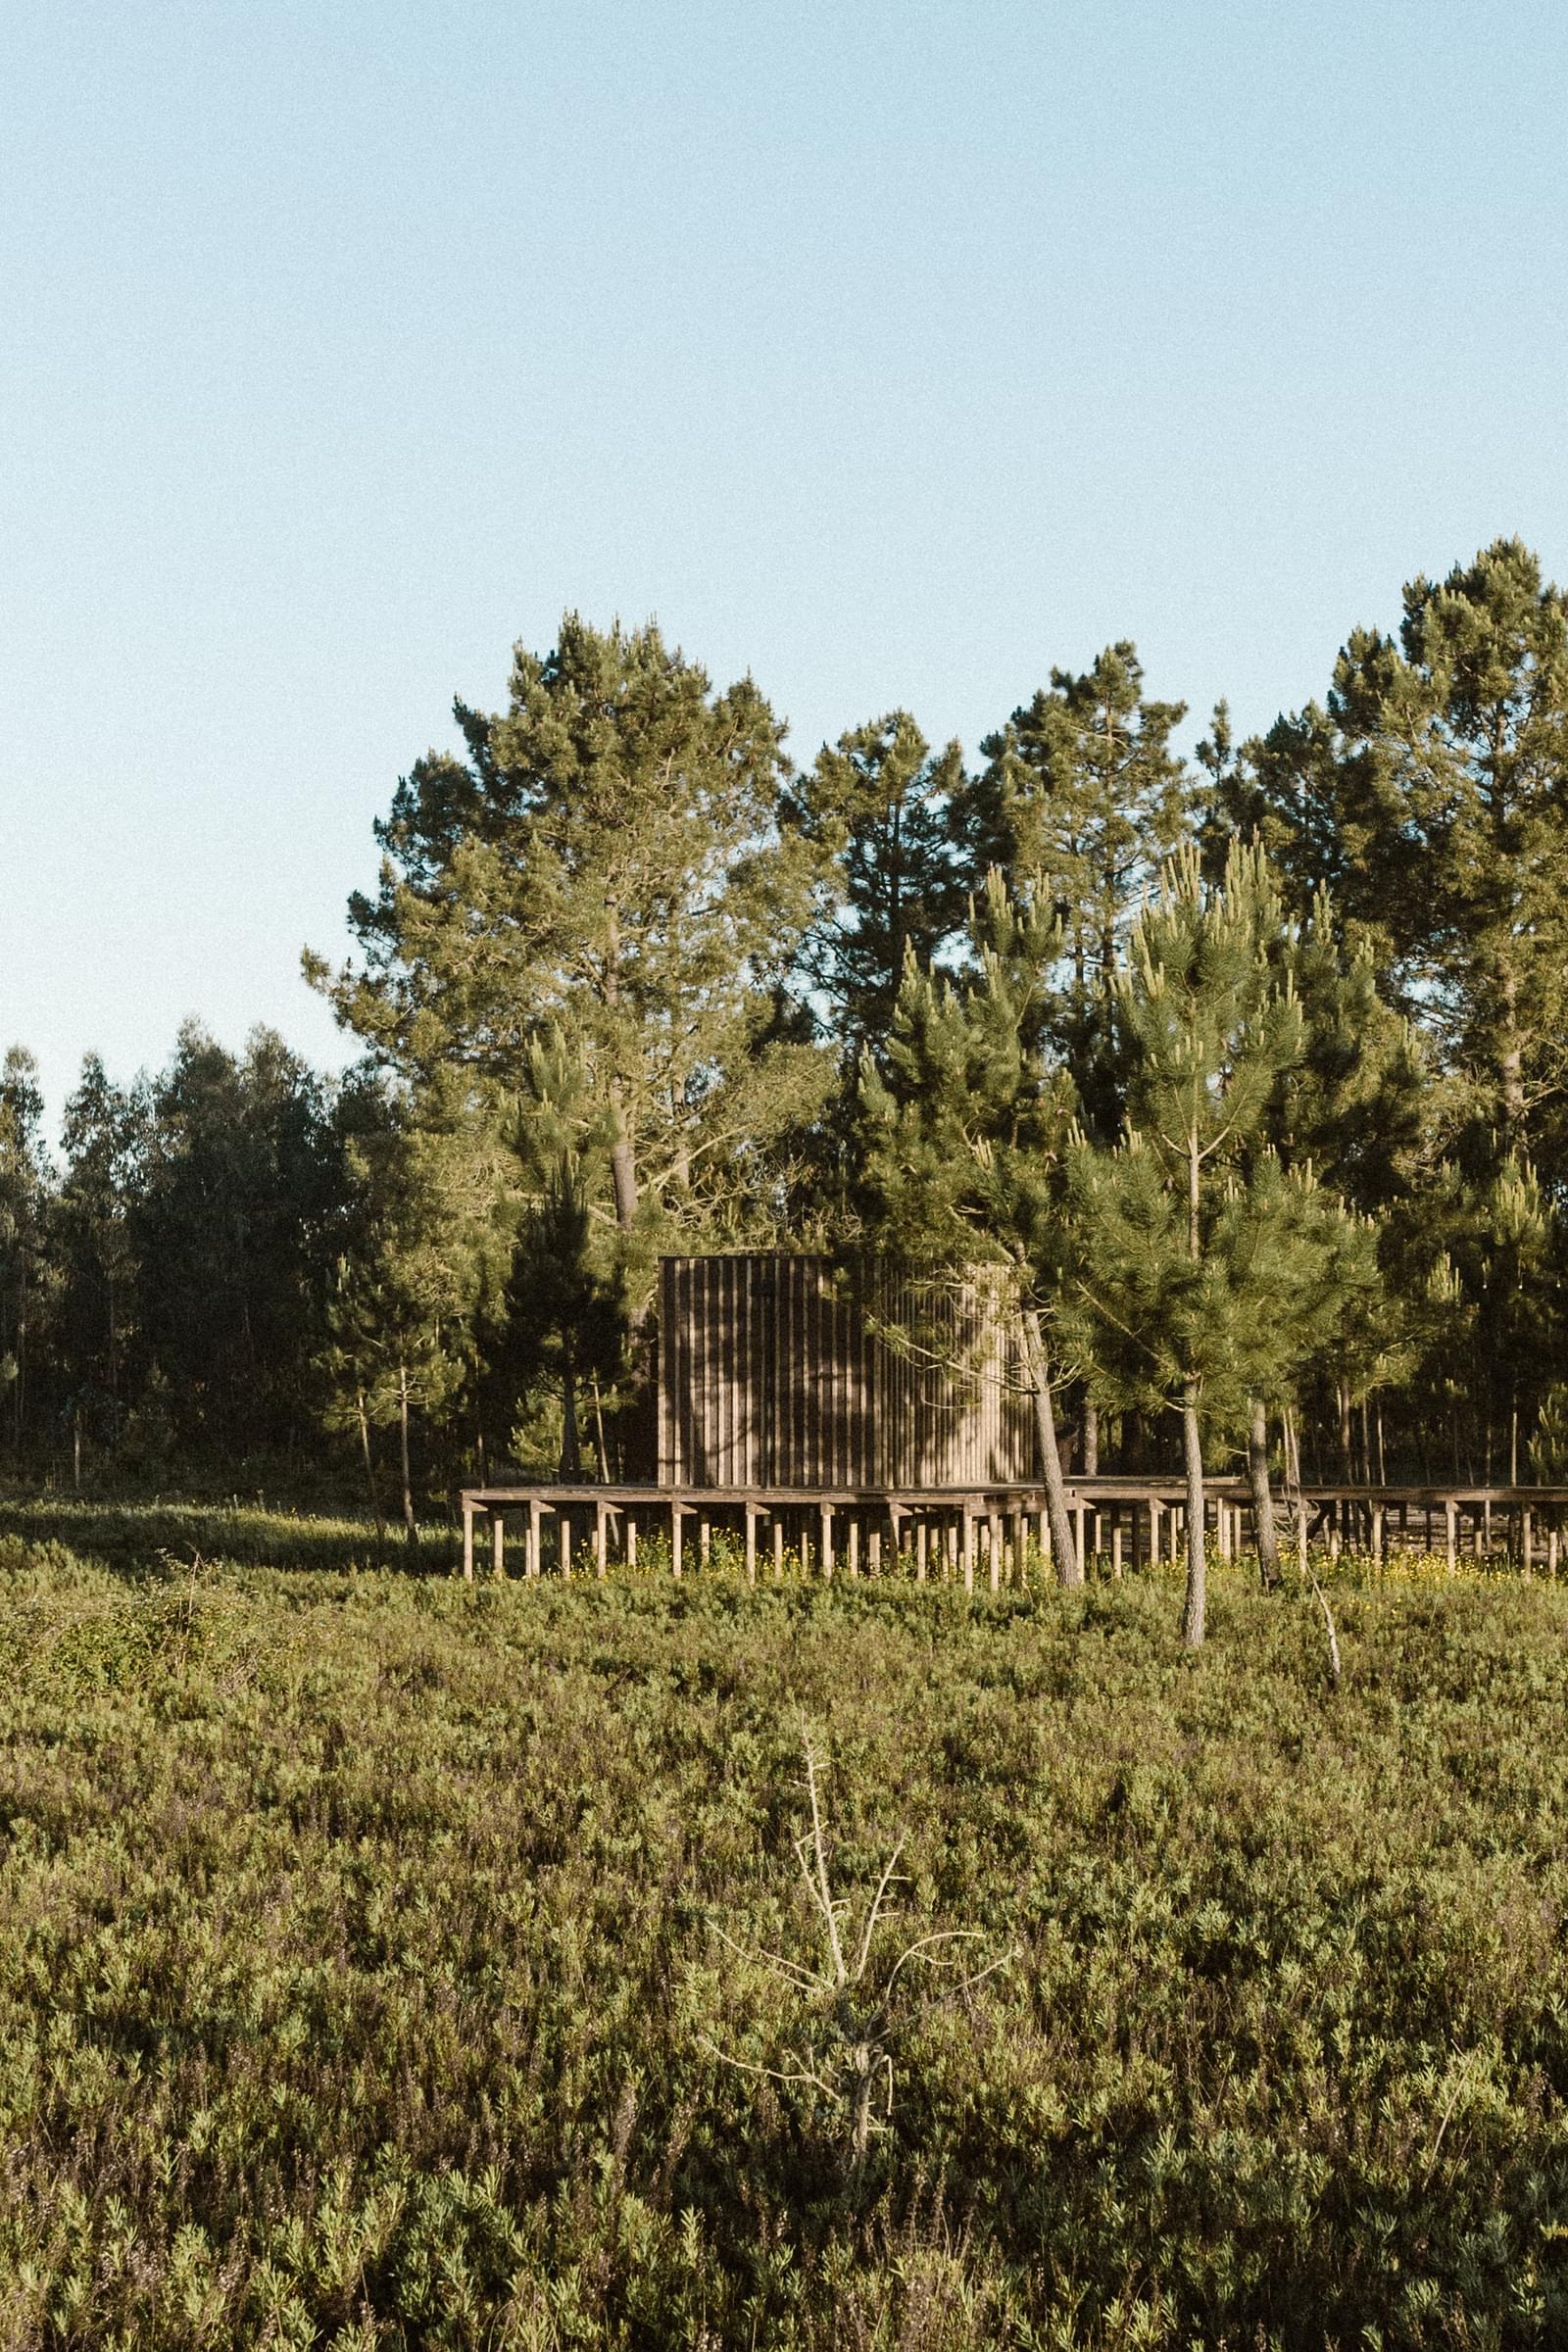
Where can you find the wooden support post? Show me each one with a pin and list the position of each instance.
(705, 1540)
(467, 1541)
(994, 1548)
(968, 1549)
(1450, 1530)
(778, 1545)
(750, 1543)
(631, 1540)
(531, 1563)
(922, 1549)
(873, 1552)
(825, 1516)
(1302, 1531)
(600, 1548)
(854, 1544)
(1526, 1539)
(1015, 1528)
(498, 1544)
(1552, 1550)
(564, 1534)
(1154, 1531)
(1377, 1532)
(676, 1567)
(1115, 1548)
(1078, 1536)
(1481, 1519)
(1044, 1536)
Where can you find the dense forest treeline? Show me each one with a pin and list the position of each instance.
(1247, 1072)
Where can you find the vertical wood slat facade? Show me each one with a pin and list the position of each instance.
(770, 1374)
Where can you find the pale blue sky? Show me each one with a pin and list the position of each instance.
(893, 352)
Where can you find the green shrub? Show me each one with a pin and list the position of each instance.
(360, 1982)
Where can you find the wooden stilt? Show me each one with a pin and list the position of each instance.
(468, 1543)
(1115, 1548)
(498, 1544)
(825, 1516)
(676, 1565)
(705, 1540)
(1552, 1550)
(1043, 1537)
(1154, 1531)
(873, 1552)
(631, 1541)
(854, 1544)
(601, 1547)
(564, 1527)
(922, 1550)
(1451, 1532)
(994, 1548)
(751, 1543)
(1527, 1541)
(1078, 1536)
(968, 1549)
(778, 1547)
(536, 1512)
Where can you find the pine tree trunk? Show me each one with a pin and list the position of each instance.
(1069, 1567)
(1193, 1613)
(1269, 1548)
(370, 1468)
(570, 1450)
(1091, 1439)
(409, 1524)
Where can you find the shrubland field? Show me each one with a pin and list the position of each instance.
(383, 1962)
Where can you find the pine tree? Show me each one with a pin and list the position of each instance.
(1208, 1269)
(603, 868)
(961, 1143)
(1083, 798)
(876, 807)
(1431, 794)
(560, 1323)
(423, 1254)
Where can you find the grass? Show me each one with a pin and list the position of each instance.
(381, 1960)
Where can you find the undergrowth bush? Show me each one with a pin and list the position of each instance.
(368, 1966)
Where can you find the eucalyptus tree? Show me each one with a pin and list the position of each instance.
(25, 1199)
(100, 1132)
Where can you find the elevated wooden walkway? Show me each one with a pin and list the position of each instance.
(1123, 1521)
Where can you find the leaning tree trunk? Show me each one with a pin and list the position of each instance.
(1069, 1567)
(1268, 1543)
(1196, 1587)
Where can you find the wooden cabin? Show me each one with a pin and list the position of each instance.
(778, 1372)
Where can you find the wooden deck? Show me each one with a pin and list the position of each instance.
(946, 1531)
